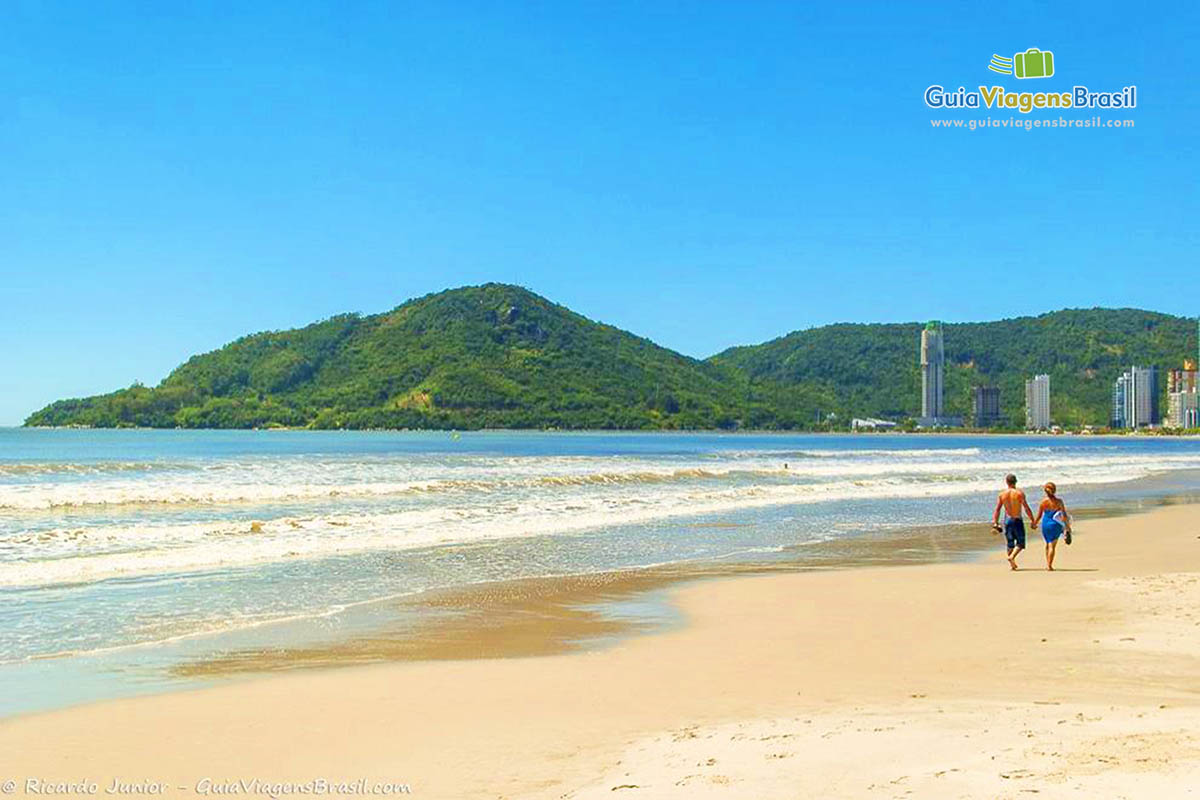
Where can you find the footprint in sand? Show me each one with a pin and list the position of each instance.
(685, 733)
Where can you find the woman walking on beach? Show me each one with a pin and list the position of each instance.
(1057, 521)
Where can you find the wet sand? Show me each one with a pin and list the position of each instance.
(940, 680)
(560, 614)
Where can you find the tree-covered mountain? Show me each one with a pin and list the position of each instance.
(501, 356)
(872, 370)
(485, 356)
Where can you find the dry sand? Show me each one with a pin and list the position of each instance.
(951, 680)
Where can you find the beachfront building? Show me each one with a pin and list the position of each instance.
(987, 405)
(933, 387)
(1120, 390)
(1182, 395)
(1037, 403)
(933, 371)
(871, 424)
(1135, 399)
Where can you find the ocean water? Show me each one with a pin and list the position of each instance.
(120, 542)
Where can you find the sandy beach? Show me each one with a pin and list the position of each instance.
(470, 401)
(943, 680)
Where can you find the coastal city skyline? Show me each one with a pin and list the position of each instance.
(1138, 395)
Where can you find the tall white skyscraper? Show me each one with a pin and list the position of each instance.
(1119, 402)
(933, 368)
(1037, 402)
(1135, 398)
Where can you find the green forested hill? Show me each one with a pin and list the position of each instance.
(486, 356)
(872, 369)
(501, 356)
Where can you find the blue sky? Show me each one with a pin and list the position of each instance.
(705, 174)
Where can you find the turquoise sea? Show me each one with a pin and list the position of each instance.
(122, 552)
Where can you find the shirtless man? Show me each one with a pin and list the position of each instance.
(1012, 500)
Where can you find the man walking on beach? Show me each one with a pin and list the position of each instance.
(1012, 500)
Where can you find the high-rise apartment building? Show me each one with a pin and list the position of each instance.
(1037, 402)
(933, 388)
(986, 405)
(1120, 391)
(1135, 398)
(1182, 395)
(933, 370)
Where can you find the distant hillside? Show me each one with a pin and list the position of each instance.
(501, 356)
(872, 369)
(486, 356)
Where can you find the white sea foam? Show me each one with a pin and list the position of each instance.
(849, 454)
(552, 496)
(274, 484)
(25, 470)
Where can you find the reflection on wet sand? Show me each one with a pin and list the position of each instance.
(545, 616)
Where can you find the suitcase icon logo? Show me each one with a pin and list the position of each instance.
(1033, 63)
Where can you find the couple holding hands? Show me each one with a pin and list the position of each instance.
(1056, 522)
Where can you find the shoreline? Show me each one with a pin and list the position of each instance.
(506, 618)
(527, 617)
(1165, 433)
(581, 612)
(1113, 631)
(578, 613)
